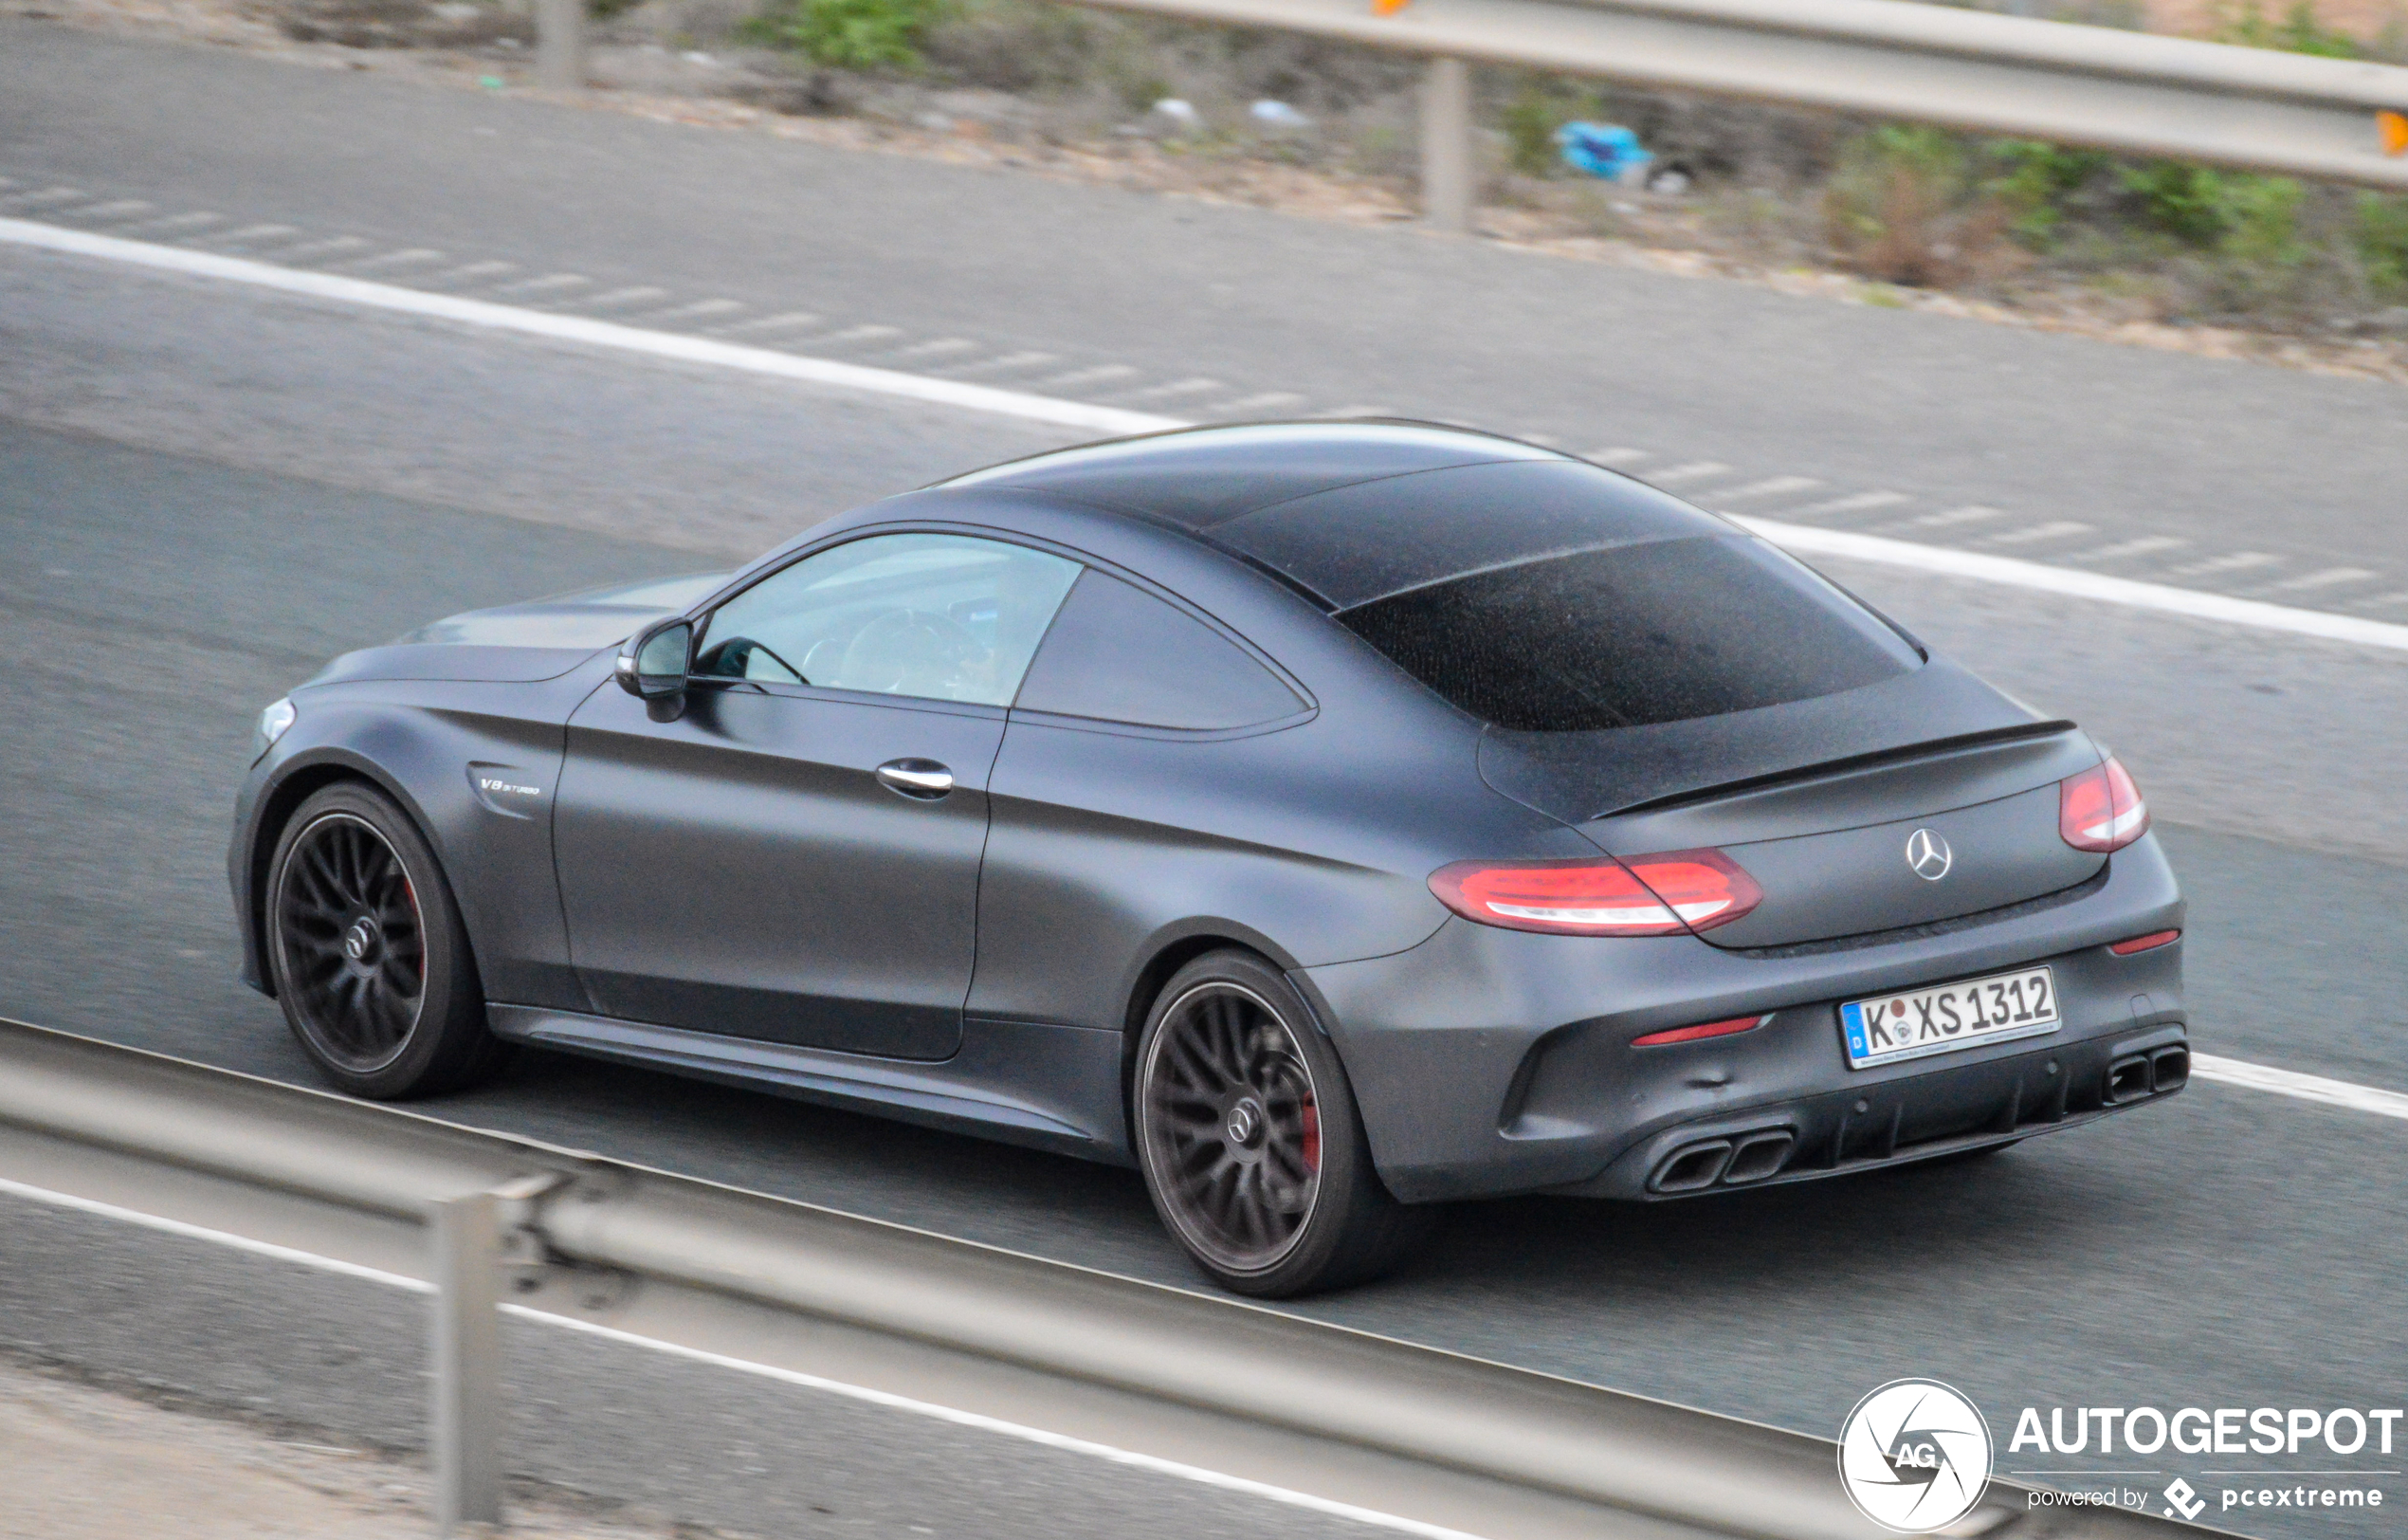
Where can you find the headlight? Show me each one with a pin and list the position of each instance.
(272, 724)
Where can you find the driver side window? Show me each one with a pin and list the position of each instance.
(944, 617)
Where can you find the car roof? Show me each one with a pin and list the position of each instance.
(1350, 512)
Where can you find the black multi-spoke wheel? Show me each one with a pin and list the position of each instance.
(353, 942)
(1234, 1126)
(1250, 1139)
(371, 963)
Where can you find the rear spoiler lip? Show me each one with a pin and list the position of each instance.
(1854, 761)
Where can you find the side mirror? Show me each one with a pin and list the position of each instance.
(653, 663)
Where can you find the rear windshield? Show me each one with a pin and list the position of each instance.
(1663, 631)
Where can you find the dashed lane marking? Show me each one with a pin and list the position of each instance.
(2329, 577)
(1983, 566)
(1681, 475)
(1857, 503)
(786, 321)
(2123, 550)
(1786, 525)
(1771, 487)
(2055, 529)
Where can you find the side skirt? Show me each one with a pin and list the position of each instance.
(1048, 1087)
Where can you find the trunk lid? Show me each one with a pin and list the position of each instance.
(1819, 801)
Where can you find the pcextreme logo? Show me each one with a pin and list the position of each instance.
(1914, 1455)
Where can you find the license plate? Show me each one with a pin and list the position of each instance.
(1948, 1017)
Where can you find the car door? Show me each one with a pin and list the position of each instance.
(794, 857)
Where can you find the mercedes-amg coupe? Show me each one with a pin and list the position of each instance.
(1329, 820)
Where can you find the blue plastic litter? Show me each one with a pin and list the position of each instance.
(1606, 150)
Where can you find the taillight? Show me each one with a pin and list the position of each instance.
(1647, 895)
(1709, 1029)
(2101, 809)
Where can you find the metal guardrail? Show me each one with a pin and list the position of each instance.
(484, 1196)
(2129, 92)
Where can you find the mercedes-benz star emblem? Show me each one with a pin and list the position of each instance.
(1929, 856)
(1242, 1120)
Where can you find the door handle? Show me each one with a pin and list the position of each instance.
(924, 781)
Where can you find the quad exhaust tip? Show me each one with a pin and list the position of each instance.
(2148, 1075)
(1728, 1162)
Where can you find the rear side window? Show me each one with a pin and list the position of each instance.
(1117, 654)
(1664, 631)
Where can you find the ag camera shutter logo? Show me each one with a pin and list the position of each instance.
(1914, 1455)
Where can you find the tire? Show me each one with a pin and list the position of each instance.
(1250, 1139)
(371, 962)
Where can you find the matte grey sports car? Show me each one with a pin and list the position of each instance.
(1329, 820)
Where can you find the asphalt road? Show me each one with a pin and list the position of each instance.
(2259, 477)
(254, 482)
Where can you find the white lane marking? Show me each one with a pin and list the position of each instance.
(2132, 594)
(810, 1382)
(1090, 377)
(2307, 1088)
(1696, 471)
(694, 311)
(1948, 518)
(1199, 386)
(1286, 1496)
(1772, 486)
(2237, 561)
(122, 209)
(321, 249)
(414, 257)
(2329, 577)
(256, 232)
(1855, 503)
(614, 299)
(1981, 566)
(2144, 545)
(859, 334)
(585, 329)
(46, 197)
(218, 1238)
(2016, 573)
(1268, 401)
(2055, 529)
(942, 347)
(548, 283)
(173, 224)
(473, 271)
(786, 321)
(1005, 364)
(1616, 455)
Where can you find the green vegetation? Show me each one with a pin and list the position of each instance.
(849, 34)
(2382, 244)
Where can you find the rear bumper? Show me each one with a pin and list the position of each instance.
(1943, 1111)
(1489, 1062)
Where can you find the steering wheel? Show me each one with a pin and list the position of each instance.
(909, 652)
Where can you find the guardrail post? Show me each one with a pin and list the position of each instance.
(560, 45)
(466, 1423)
(1446, 145)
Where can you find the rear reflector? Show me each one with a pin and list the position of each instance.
(2142, 943)
(1711, 1029)
(2101, 809)
(1669, 894)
